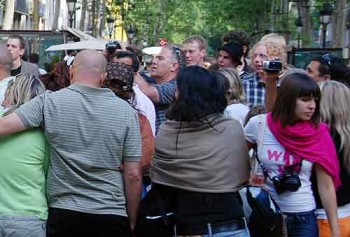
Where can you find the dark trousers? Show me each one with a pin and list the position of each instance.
(66, 223)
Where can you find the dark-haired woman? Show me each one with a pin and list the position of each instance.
(201, 158)
(291, 142)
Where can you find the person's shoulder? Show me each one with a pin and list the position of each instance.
(291, 70)
(30, 65)
(249, 77)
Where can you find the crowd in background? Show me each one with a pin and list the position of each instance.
(80, 145)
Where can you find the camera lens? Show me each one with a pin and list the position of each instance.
(292, 182)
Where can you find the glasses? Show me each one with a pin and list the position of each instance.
(177, 53)
(327, 58)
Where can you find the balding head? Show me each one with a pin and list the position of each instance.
(5, 62)
(89, 67)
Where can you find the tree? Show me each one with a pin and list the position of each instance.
(56, 14)
(338, 23)
(9, 12)
(84, 5)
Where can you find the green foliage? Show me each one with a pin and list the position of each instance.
(178, 19)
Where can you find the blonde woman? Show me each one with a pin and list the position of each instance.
(335, 111)
(23, 168)
(236, 107)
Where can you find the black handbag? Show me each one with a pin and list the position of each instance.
(156, 216)
(263, 215)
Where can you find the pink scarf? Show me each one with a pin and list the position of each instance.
(308, 142)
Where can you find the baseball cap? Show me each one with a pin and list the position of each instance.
(235, 50)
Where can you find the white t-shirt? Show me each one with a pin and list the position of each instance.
(146, 107)
(237, 111)
(3, 87)
(274, 158)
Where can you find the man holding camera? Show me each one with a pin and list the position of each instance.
(268, 76)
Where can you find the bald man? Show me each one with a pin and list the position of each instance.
(91, 133)
(5, 71)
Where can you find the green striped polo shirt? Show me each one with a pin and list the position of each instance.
(91, 132)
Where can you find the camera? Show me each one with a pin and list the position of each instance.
(111, 46)
(288, 181)
(272, 66)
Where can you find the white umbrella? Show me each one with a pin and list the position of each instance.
(98, 44)
(152, 50)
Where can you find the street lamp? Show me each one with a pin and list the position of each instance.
(299, 25)
(71, 11)
(131, 31)
(110, 22)
(325, 18)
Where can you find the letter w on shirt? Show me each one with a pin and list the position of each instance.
(274, 155)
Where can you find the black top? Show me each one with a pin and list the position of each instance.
(194, 210)
(343, 192)
(16, 71)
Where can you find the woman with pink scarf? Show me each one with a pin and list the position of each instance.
(291, 143)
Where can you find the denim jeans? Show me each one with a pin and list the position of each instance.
(302, 224)
(237, 233)
(19, 226)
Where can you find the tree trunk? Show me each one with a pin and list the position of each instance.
(9, 12)
(102, 18)
(83, 15)
(308, 31)
(56, 14)
(338, 23)
(36, 15)
(96, 18)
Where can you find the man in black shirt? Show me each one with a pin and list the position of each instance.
(16, 46)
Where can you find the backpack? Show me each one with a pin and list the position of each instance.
(147, 139)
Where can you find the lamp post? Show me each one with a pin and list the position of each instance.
(325, 18)
(131, 31)
(299, 25)
(110, 22)
(71, 11)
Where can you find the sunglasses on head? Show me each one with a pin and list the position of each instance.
(327, 58)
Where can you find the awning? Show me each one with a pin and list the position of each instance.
(80, 34)
(98, 44)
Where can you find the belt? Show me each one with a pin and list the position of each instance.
(213, 228)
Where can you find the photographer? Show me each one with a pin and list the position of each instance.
(111, 48)
(270, 47)
(291, 142)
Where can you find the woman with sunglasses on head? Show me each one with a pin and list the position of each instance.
(201, 159)
(335, 111)
(24, 159)
(292, 142)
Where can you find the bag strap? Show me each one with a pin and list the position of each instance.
(261, 126)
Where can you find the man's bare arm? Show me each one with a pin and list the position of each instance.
(147, 88)
(10, 124)
(132, 182)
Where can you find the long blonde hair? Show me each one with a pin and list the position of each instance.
(335, 111)
(235, 85)
(22, 89)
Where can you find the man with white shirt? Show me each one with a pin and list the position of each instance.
(5, 71)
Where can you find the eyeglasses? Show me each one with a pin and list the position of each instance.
(177, 53)
(327, 58)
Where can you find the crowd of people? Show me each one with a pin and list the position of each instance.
(82, 144)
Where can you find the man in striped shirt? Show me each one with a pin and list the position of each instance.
(164, 69)
(92, 134)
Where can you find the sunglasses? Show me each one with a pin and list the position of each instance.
(327, 58)
(177, 53)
